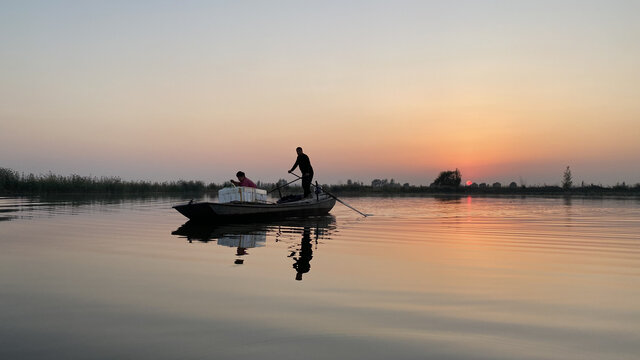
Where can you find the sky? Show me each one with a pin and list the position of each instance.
(166, 90)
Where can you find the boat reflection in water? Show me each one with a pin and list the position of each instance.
(300, 234)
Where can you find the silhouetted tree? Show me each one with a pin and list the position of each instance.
(379, 182)
(567, 179)
(448, 178)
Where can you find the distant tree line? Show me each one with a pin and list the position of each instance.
(447, 182)
(357, 188)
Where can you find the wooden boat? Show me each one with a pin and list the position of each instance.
(250, 211)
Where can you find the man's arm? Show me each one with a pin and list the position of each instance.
(295, 165)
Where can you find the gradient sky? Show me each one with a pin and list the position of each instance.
(163, 90)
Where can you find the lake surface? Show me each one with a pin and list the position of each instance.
(440, 278)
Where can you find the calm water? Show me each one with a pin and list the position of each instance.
(441, 278)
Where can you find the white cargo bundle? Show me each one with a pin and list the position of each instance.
(257, 239)
(242, 193)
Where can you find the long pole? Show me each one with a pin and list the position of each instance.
(333, 196)
(281, 186)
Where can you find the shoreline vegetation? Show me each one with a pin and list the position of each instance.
(13, 183)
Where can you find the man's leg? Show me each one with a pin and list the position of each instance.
(306, 185)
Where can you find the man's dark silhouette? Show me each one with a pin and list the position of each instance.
(304, 255)
(307, 171)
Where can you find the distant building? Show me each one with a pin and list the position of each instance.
(497, 185)
(513, 185)
(482, 185)
(473, 185)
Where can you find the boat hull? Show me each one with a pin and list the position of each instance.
(239, 211)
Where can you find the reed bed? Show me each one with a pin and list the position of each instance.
(12, 182)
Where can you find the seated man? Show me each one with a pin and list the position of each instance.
(243, 180)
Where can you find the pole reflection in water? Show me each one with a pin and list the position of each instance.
(243, 236)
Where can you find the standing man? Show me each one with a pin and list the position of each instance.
(307, 170)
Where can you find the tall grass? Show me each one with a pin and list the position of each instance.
(12, 182)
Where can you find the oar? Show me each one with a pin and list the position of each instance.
(281, 186)
(335, 197)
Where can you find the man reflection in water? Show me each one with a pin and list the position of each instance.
(304, 255)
